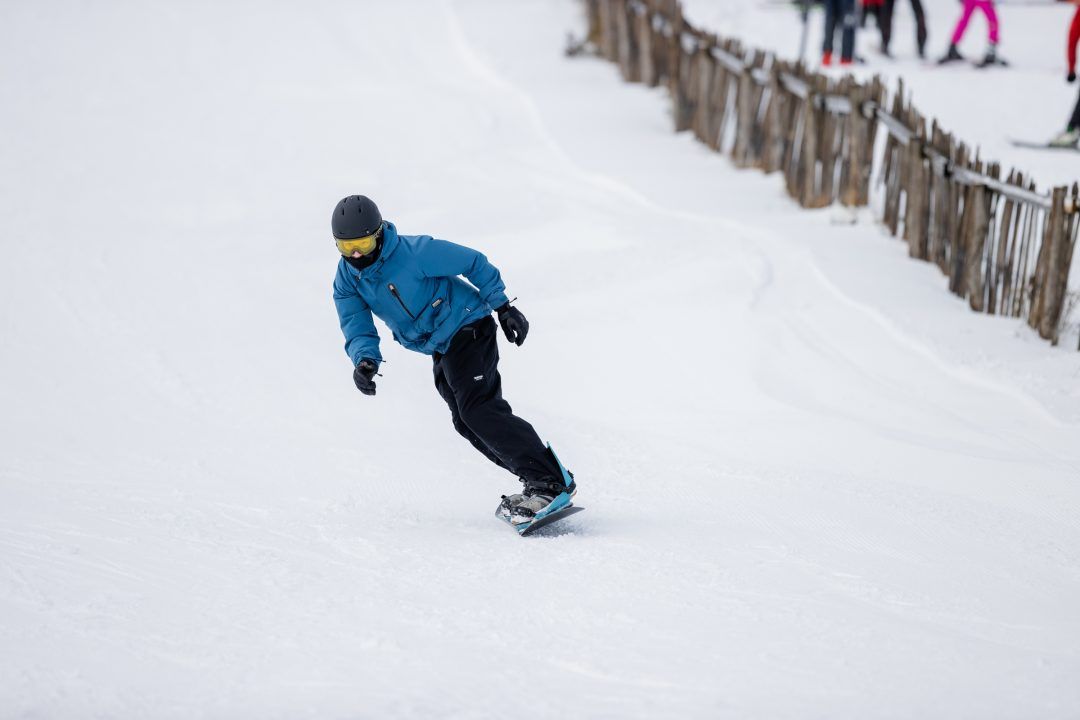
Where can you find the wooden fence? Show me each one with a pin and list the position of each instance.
(1006, 248)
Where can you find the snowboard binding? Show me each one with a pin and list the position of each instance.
(541, 503)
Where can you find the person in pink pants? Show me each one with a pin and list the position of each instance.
(970, 6)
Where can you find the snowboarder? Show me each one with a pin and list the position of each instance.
(842, 13)
(970, 6)
(413, 284)
(1071, 135)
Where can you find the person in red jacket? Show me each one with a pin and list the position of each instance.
(1071, 136)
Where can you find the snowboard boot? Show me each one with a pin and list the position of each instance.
(537, 499)
(952, 56)
(1067, 139)
(541, 496)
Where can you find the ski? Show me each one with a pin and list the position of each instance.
(1028, 144)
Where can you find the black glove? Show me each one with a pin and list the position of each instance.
(514, 324)
(362, 375)
(1071, 77)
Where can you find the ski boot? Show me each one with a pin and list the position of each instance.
(952, 56)
(992, 58)
(1067, 139)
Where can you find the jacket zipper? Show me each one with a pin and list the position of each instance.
(394, 292)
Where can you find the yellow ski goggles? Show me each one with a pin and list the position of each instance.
(364, 245)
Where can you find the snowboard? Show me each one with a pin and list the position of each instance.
(1040, 145)
(525, 529)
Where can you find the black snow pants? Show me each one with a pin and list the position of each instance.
(467, 377)
(1074, 121)
(886, 19)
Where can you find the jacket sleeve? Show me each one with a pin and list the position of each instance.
(361, 338)
(1074, 38)
(440, 258)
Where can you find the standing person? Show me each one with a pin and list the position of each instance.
(414, 284)
(842, 13)
(876, 10)
(1071, 135)
(886, 19)
(970, 6)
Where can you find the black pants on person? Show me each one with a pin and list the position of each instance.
(840, 12)
(1074, 122)
(885, 23)
(467, 377)
(874, 11)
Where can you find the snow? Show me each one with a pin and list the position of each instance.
(817, 484)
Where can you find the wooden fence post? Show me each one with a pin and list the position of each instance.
(969, 221)
(894, 166)
(972, 284)
(776, 120)
(756, 146)
(624, 39)
(823, 165)
(592, 12)
(674, 55)
(646, 50)
(830, 145)
(1002, 279)
(1052, 269)
(990, 250)
(701, 90)
(793, 141)
(744, 119)
(808, 153)
(916, 211)
(939, 200)
(718, 101)
(683, 75)
(858, 159)
(609, 36)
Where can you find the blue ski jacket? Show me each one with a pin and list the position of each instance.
(414, 288)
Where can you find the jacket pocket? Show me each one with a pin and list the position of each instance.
(397, 296)
(433, 316)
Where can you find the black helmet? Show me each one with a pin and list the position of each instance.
(355, 216)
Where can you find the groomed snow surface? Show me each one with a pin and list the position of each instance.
(817, 485)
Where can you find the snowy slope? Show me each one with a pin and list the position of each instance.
(806, 497)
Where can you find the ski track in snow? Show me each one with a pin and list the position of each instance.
(803, 500)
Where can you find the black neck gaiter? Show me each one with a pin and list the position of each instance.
(368, 260)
